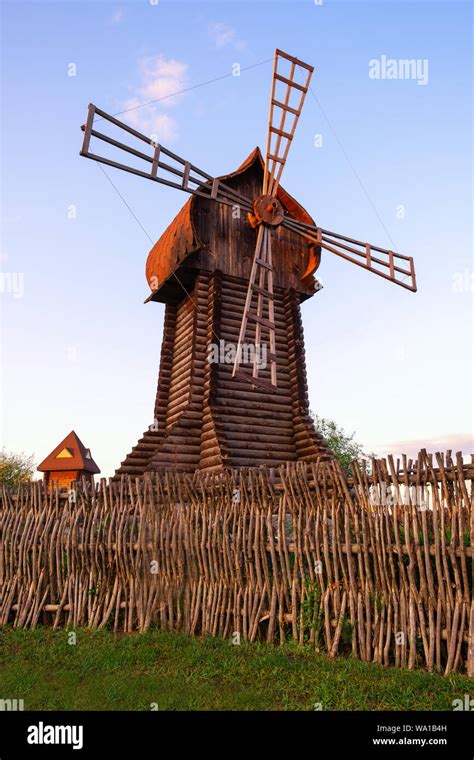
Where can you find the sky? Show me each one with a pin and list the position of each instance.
(387, 160)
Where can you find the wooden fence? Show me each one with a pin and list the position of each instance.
(378, 565)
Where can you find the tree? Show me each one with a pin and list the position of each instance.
(340, 443)
(15, 469)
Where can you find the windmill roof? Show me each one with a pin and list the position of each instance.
(283, 196)
(181, 236)
(70, 454)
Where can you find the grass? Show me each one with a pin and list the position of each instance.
(104, 671)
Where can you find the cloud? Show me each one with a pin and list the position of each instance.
(456, 442)
(160, 80)
(159, 126)
(118, 16)
(224, 35)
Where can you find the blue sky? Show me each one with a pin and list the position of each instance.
(81, 351)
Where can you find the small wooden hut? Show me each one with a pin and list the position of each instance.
(69, 461)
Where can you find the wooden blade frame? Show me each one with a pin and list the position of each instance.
(275, 158)
(203, 184)
(262, 268)
(344, 247)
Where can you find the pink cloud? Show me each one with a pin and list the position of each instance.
(463, 442)
(224, 35)
(160, 85)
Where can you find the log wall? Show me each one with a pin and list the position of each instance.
(205, 418)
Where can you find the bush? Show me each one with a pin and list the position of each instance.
(340, 443)
(15, 469)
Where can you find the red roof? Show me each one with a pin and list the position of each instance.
(75, 457)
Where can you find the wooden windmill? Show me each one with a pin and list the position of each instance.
(232, 269)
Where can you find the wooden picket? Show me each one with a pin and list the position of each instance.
(378, 564)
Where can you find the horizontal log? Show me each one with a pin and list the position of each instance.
(257, 408)
(179, 448)
(175, 418)
(226, 381)
(256, 461)
(212, 461)
(256, 396)
(309, 449)
(168, 459)
(267, 437)
(260, 425)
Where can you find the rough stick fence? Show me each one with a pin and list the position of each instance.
(379, 565)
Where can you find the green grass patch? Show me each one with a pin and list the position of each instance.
(104, 671)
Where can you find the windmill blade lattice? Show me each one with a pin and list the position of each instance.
(359, 253)
(181, 174)
(268, 211)
(279, 137)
